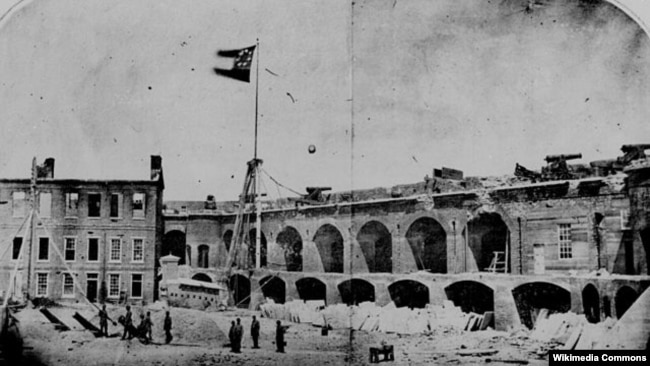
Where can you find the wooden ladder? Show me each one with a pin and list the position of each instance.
(498, 263)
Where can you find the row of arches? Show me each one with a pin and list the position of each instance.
(426, 237)
(409, 293)
(592, 302)
(470, 296)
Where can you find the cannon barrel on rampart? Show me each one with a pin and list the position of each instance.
(562, 157)
(632, 147)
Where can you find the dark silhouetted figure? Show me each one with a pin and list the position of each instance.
(231, 336)
(279, 337)
(148, 327)
(255, 332)
(239, 334)
(168, 328)
(103, 321)
(128, 323)
(141, 332)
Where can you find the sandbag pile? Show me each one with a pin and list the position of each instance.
(369, 317)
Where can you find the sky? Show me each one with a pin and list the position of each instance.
(386, 90)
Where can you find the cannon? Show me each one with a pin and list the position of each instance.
(557, 168)
(522, 172)
(562, 157)
(630, 153)
(314, 196)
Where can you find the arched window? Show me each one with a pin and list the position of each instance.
(204, 250)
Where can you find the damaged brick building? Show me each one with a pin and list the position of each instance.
(107, 232)
(513, 245)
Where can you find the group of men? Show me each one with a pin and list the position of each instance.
(144, 329)
(236, 334)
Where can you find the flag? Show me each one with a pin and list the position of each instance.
(241, 68)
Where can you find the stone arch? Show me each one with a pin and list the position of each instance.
(203, 260)
(488, 233)
(531, 297)
(355, 291)
(625, 297)
(227, 239)
(409, 293)
(591, 303)
(275, 288)
(202, 277)
(329, 242)
(428, 241)
(290, 241)
(310, 288)
(377, 246)
(471, 296)
(252, 251)
(241, 290)
(173, 242)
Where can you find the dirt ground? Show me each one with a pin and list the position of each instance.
(200, 339)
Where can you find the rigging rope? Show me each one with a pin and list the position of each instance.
(13, 237)
(280, 184)
(12, 277)
(68, 269)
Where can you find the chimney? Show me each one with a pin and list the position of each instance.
(156, 167)
(210, 203)
(46, 170)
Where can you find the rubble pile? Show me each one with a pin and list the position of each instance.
(188, 327)
(570, 330)
(369, 317)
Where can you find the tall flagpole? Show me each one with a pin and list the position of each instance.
(258, 203)
(257, 87)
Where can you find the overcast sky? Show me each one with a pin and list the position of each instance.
(385, 90)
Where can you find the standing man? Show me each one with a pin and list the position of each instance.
(103, 321)
(255, 331)
(279, 337)
(141, 331)
(168, 328)
(128, 323)
(239, 335)
(148, 326)
(232, 336)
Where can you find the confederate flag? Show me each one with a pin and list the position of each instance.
(241, 68)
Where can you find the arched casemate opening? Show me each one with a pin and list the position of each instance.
(291, 243)
(591, 303)
(530, 298)
(471, 296)
(488, 238)
(329, 243)
(241, 290)
(356, 291)
(376, 244)
(428, 242)
(409, 293)
(274, 287)
(310, 288)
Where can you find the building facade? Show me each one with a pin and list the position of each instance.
(92, 238)
(506, 245)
